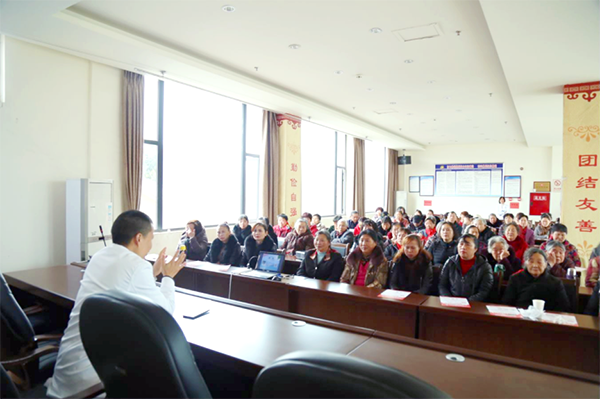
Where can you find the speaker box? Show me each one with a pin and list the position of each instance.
(404, 160)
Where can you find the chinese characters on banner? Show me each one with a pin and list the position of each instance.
(581, 150)
(290, 179)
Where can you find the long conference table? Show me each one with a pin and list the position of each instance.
(244, 338)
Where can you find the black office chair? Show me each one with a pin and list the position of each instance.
(30, 357)
(572, 289)
(138, 349)
(328, 375)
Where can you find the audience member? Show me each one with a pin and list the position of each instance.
(398, 234)
(417, 224)
(309, 218)
(559, 263)
(508, 218)
(225, 249)
(316, 221)
(499, 252)
(453, 220)
(359, 226)
(467, 221)
(542, 230)
(474, 231)
(336, 219)
(195, 241)
(592, 272)
(442, 246)
(242, 230)
(283, 228)
(518, 244)
(429, 230)
(536, 282)
(299, 239)
(378, 215)
(494, 223)
(485, 232)
(385, 228)
(558, 232)
(366, 265)
(467, 274)
(412, 267)
(526, 233)
(353, 221)
(323, 262)
(259, 241)
(342, 233)
(265, 220)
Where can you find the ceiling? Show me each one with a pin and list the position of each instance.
(498, 79)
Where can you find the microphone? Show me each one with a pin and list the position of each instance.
(102, 235)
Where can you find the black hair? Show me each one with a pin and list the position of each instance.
(386, 219)
(501, 198)
(370, 223)
(379, 209)
(128, 224)
(243, 217)
(317, 215)
(337, 218)
(471, 236)
(559, 227)
(508, 214)
(283, 215)
(371, 233)
(324, 233)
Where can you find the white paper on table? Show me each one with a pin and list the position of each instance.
(559, 319)
(504, 311)
(393, 294)
(215, 268)
(454, 302)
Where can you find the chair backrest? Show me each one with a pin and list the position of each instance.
(138, 349)
(495, 293)
(17, 333)
(435, 281)
(572, 288)
(343, 249)
(329, 375)
(7, 386)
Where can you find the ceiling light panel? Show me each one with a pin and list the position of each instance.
(418, 32)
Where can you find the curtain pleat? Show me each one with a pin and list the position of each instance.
(270, 166)
(392, 183)
(133, 134)
(358, 202)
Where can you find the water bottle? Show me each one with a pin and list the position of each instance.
(498, 268)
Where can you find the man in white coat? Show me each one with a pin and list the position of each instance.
(120, 266)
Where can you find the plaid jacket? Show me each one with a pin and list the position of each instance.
(571, 252)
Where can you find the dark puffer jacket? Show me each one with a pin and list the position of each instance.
(240, 234)
(475, 285)
(346, 238)
(251, 248)
(523, 288)
(330, 268)
(225, 254)
(441, 251)
(412, 275)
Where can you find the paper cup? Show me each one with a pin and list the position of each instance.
(538, 304)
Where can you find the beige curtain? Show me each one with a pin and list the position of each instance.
(133, 134)
(392, 181)
(270, 166)
(358, 202)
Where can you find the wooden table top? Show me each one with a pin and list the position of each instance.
(586, 324)
(58, 284)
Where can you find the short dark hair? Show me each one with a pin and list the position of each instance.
(559, 227)
(243, 217)
(371, 224)
(337, 218)
(379, 209)
(283, 216)
(128, 224)
(472, 237)
(307, 215)
(508, 214)
(523, 216)
(371, 233)
(317, 215)
(386, 219)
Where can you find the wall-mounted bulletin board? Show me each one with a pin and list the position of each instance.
(414, 184)
(426, 186)
(512, 186)
(469, 180)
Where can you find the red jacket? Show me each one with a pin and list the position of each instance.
(282, 231)
(313, 229)
(519, 245)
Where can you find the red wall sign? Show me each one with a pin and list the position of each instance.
(427, 203)
(539, 203)
(514, 205)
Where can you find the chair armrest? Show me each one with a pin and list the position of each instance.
(23, 359)
(35, 309)
(48, 337)
(91, 392)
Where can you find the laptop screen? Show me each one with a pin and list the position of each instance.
(270, 262)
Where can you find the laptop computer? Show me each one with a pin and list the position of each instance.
(269, 264)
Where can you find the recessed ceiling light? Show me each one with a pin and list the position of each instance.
(376, 30)
(458, 110)
(339, 72)
(409, 61)
(409, 114)
(393, 103)
(431, 81)
(447, 98)
(228, 8)
(369, 89)
(294, 46)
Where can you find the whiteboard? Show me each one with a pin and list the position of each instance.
(475, 180)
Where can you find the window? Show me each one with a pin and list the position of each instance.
(198, 149)
(375, 176)
(323, 153)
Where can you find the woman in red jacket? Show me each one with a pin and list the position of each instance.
(511, 235)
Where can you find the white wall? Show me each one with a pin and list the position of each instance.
(61, 120)
(531, 163)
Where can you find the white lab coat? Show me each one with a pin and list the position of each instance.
(114, 267)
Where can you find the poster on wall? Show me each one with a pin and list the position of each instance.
(539, 203)
(512, 186)
(469, 180)
(426, 186)
(413, 184)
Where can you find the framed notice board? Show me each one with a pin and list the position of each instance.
(469, 180)
(512, 186)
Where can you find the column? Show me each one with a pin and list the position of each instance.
(290, 176)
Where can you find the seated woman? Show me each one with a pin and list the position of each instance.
(467, 221)
(195, 241)
(474, 231)
(378, 215)
(265, 220)
(526, 233)
(494, 223)
(368, 224)
(417, 224)
(559, 263)
(412, 267)
(511, 235)
(299, 239)
(242, 229)
(225, 250)
(558, 232)
(442, 246)
(283, 228)
(398, 234)
(453, 220)
(536, 282)
(385, 229)
(485, 232)
(542, 230)
(366, 266)
(309, 218)
(316, 221)
(502, 207)
(592, 272)
(342, 233)
(333, 228)
(499, 252)
(508, 218)
(359, 226)
(429, 230)
(467, 274)
(258, 242)
(322, 263)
